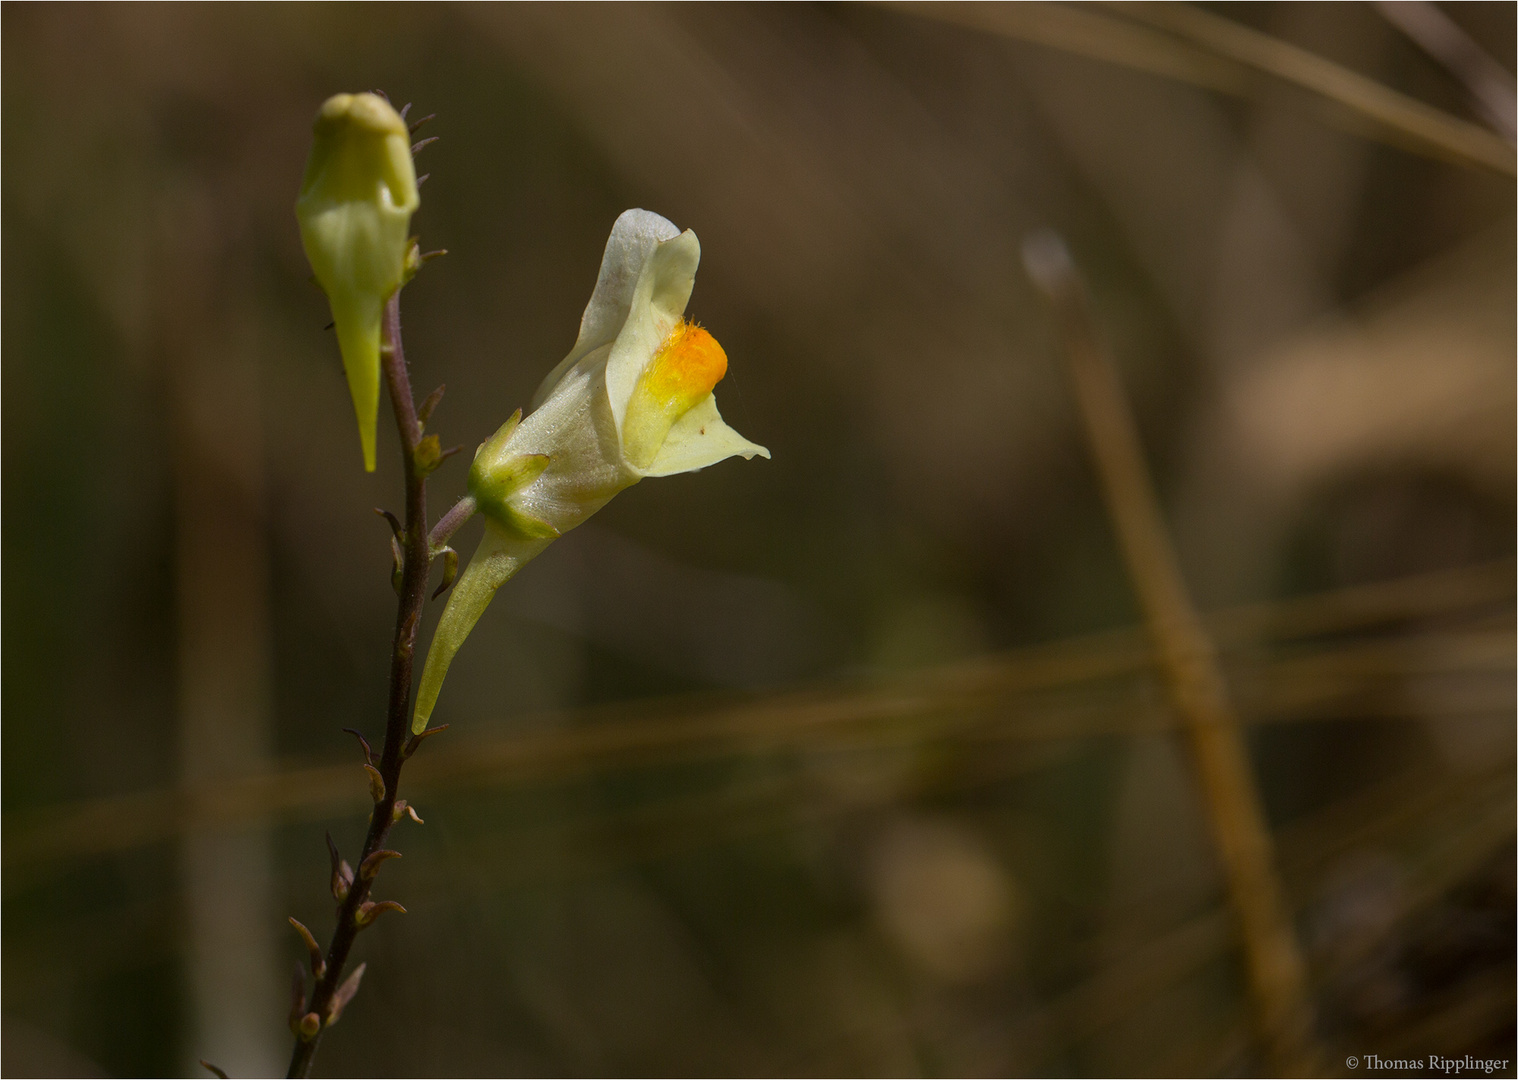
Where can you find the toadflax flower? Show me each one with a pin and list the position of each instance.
(632, 399)
(354, 210)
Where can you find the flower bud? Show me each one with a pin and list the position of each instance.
(344, 994)
(354, 210)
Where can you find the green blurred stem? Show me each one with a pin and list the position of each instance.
(413, 596)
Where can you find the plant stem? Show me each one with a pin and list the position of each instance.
(413, 595)
(452, 521)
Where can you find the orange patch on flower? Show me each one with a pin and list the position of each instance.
(687, 367)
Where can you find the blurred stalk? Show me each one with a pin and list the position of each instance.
(1060, 691)
(1419, 124)
(1181, 42)
(1188, 660)
(221, 580)
(1488, 82)
(1474, 812)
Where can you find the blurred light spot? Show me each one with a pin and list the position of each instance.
(943, 900)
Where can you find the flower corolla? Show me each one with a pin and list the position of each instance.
(632, 399)
(354, 209)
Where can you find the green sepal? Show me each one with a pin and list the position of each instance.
(496, 475)
(493, 487)
(503, 433)
(527, 526)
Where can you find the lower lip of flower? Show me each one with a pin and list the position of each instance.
(681, 375)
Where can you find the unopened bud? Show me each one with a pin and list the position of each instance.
(344, 994)
(419, 737)
(309, 1025)
(368, 911)
(450, 571)
(318, 965)
(376, 783)
(354, 209)
(363, 742)
(371, 865)
(342, 873)
(342, 880)
(404, 809)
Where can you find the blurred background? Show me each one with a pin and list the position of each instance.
(852, 762)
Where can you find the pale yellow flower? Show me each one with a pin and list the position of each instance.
(632, 399)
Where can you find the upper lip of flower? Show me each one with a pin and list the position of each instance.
(634, 235)
(646, 278)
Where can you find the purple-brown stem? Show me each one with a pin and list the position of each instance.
(452, 521)
(413, 595)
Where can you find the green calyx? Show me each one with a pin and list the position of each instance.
(497, 474)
